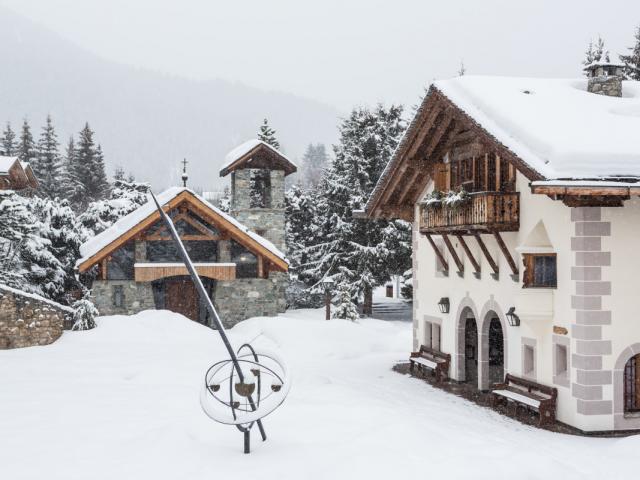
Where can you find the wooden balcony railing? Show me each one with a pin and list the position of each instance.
(484, 212)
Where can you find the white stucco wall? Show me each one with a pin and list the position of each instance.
(581, 401)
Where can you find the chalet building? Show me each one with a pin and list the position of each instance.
(16, 175)
(523, 195)
(135, 265)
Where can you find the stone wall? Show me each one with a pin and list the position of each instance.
(138, 296)
(610, 86)
(28, 320)
(269, 222)
(239, 299)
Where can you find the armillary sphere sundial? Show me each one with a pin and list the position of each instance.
(244, 388)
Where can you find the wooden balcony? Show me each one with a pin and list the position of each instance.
(148, 272)
(484, 212)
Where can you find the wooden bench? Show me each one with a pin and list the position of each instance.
(433, 360)
(528, 394)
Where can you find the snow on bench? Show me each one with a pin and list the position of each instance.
(427, 363)
(518, 397)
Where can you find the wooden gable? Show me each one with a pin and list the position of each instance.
(188, 202)
(439, 126)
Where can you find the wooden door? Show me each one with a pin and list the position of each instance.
(181, 297)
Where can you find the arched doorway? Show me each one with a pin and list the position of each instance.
(632, 385)
(496, 351)
(470, 350)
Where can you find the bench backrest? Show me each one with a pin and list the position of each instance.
(435, 353)
(530, 385)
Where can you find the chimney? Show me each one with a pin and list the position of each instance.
(605, 78)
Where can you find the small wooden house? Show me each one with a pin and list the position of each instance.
(16, 175)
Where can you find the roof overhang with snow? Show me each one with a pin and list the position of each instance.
(133, 224)
(548, 129)
(257, 154)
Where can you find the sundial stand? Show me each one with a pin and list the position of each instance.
(204, 298)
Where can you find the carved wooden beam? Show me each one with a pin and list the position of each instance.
(454, 254)
(505, 252)
(492, 263)
(472, 259)
(438, 252)
(413, 184)
(398, 176)
(424, 130)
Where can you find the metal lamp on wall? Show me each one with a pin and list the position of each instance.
(444, 305)
(512, 318)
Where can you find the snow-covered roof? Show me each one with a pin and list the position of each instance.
(604, 63)
(126, 223)
(6, 163)
(34, 296)
(242, 150)
(554, 125)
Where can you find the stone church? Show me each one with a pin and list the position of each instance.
(134, 265)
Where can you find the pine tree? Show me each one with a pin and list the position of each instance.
(89, 167)
(119, 173)
(9, 141)
(345, 308)
(70, 186)
(125, 198)
(314, 163)
(26, 149)
(632, 60)
(462, 70)
(353, 251)
(268, 135)
(47, 163)
(84, 314)
(595, 53)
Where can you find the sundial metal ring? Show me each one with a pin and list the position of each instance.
(242, 398)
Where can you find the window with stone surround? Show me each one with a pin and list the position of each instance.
(540, 270)
(632, 385)
(562, 360)
(118, 296)
(528, 361)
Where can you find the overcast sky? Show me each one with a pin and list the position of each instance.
(338, 51)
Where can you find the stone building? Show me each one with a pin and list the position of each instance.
(27, 320)
(524, 196)
(135, 265)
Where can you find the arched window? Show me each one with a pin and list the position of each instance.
(632, 385)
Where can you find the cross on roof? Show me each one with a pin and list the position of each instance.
(185, 177)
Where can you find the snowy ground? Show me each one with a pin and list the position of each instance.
(121, 402)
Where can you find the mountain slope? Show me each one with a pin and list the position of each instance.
(146, 121)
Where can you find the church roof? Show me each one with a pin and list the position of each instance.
(256, 154)
(103, 244)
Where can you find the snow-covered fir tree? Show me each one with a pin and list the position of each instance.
(352, 251)
(632, 60)
(26, 149)
(125, 198)
(345, 308)
(224, 202)
(462, 70)
(119, 173)
(268, 135)
(88, 168)
(70, 186)
(47, 164)
(31, 264)
(84, 314)
(65, 235)
(314, 162)
(595, 53)
(9, 141)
